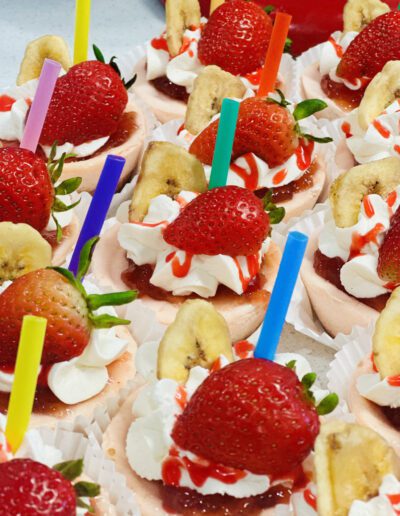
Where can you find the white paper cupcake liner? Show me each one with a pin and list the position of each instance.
(353, 349)
(306, 59)
(40, 445)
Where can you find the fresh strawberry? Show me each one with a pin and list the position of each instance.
(87, 104)
(377, 44)
(236, 37)
(229, 220)
(254, 415)
(59, 297)
(29, 488)
(389, 252)
(27, 193)
(265, 127)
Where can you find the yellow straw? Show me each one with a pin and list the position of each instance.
(215, 4)
(25, 379)
(82, 24)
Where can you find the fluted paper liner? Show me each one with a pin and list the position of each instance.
(97, 468)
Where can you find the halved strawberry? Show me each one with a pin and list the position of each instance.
(59, 297)
(236, 37)
(252, 415)
(265, 127)
(377, 44)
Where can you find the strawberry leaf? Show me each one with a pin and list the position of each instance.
(276, 214)
(98, 54)
(282, 102)
(107, 321)
(326, 139)
(308, 380)
(308, 107)
(85, 257)
(68, 186)
(59, 233)
(328, 404)
(70, 469)
(269, 9)
(80, 503)
(60, 206)
(87, 489)
(96, 301)
(288, 45)
(291, 365)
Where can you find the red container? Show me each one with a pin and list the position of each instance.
(313, 20)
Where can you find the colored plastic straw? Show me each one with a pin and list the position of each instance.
(274, 54)
(25, 379)
(99, 206)
(224, 143)
(82, 26)
(281, 295)
(40, 104)
(214, 4)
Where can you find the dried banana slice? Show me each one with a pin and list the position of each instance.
(51, 47)
(348, 190)
(22, 250)
(359, 13)
(350, 463)
(382, 91)
(180, 15)
(198, 336)
(386, 339)
(166, 169)
(210, 89)
(215, 4)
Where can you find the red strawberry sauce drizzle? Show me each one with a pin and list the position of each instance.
(359, 241)
(243, 348)
(6, 103)
(188, 502)
(179, 270)
(250, 175)
(346, 128)
(394, 381)
(385, 133)
(338, 49)
(160, 43)
(310, 499)
(346, 98)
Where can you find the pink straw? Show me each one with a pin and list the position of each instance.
(40, 104)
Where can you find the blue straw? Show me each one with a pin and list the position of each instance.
(281, 295)
(224, 143)
(99, 206)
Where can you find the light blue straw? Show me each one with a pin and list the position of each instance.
(281, 295)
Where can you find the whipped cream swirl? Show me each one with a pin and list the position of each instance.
(12, 122)
(85, 376)
(380, 140)
(178, 271)
(332, 52)
(359, 245)
(149, 438)
(186, 66)
(384, 392)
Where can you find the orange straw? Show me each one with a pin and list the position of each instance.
(274, 54)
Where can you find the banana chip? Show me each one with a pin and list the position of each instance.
(180, 15)
(198, 336)
(210, 88)
(51, 47)
(357, 14)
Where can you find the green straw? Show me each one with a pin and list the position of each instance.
(224, 143)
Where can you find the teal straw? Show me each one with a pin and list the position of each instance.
(224, 143)
(281, 295)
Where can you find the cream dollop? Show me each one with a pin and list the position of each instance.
(85, 376)
(385, 504)
(331, 54)
(359, 274)
(12, 123)
(155, 411)
(382, 391)
(380, 140)
(175, 270)
(186, 66)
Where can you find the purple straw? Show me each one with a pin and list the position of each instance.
(99, 206)
(40, 105)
